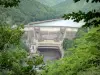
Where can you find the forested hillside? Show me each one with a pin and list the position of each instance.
(27, 11)
(83, 58)
(50, 2)
(36, 10)
(69, 6)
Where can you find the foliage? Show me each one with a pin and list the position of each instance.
(85, 58)
(50, 2)
(91, 18)
(9, 3)
(27, 11)
(35, 10)
(68, 6)
(67, 44)
(85, 55)
(10, 61)
(16, 62)
(88, 1)
(81, 32)
(13, 59)
(9, 36)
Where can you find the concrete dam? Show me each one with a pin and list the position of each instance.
(46, 38)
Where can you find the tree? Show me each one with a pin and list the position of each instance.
(67, 44)
(13, 59)
(9, 3)
(85, 57)
(27, 11)
(84, 60)
(9, 36)
(91, 18)
(16, 62)
(88, 1)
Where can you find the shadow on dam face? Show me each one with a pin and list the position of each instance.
(49, 53)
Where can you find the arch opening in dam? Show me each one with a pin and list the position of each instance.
(49, 53)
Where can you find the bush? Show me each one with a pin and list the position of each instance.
(84, 60)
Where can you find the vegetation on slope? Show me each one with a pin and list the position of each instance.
(69, 6)
(36, 10)
(27, 11)
(50, 2)
(7, 3)
(14, 60)
(84, 58)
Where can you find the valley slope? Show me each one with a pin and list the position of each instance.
(37, 10)
(27, 11)
(69, 6)
(50, 2)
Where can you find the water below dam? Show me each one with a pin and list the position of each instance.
(50, 54)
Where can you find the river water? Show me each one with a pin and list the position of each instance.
(50, 54)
